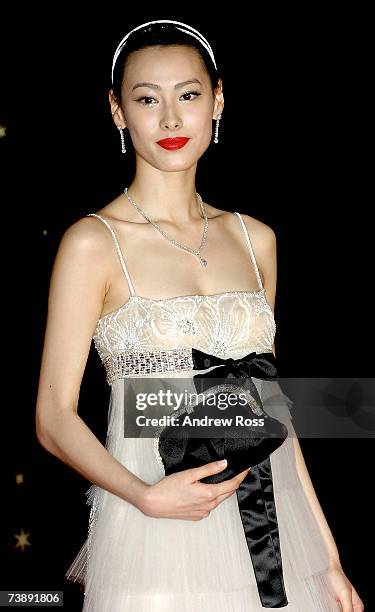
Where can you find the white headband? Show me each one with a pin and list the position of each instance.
(190, 31)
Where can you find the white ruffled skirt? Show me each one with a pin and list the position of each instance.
(132, 562)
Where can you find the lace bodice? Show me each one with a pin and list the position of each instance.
(220, 324)
(228, 324)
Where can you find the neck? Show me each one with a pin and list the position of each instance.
(169, 197)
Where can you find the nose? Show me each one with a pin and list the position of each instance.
(170, 120)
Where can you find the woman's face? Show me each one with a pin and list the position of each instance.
(165, 106)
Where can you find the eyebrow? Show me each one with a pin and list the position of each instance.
(154, 86)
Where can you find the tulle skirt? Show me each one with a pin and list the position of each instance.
(132, 562)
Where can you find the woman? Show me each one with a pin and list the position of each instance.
(172, 542)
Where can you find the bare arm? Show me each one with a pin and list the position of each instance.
(76, 295)
(265, 247)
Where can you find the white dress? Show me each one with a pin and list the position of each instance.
(132, 562)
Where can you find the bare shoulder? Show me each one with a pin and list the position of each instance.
(87, 234)
(86, 242)
(261, 234)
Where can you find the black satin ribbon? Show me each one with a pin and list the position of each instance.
(255, 494)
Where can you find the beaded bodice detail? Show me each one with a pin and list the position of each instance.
(147, 335)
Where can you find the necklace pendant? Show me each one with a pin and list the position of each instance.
(203, 261)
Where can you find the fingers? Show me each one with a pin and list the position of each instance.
(208, 506)
(206, 470)
(194, 515)
(242, 475)
(346, 602)
(358, 605)
(211, 495)
(236, 483)
(215, 467)
(221, 498)
(227, 486)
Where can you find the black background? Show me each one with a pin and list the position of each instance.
(293, 152)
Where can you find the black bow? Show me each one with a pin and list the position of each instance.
(255, 494)
(259, 365)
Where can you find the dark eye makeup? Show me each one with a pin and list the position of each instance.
(188, 93)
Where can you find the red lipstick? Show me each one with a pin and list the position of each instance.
(173, 143)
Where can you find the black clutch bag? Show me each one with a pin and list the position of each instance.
(185, 445)
(244, 433)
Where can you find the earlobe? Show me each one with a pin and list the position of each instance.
(218, 113)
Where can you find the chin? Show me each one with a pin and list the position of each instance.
(181, 167)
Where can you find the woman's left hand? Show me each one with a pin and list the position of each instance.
(344, 591)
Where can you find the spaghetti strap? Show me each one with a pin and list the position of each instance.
(251, 250)
(122, 261)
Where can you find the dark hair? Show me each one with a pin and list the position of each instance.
(160, 35)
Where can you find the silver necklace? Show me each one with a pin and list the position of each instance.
(172, 240)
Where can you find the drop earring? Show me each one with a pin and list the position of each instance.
(216, 139)
(121, 130)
